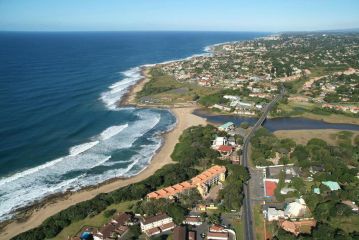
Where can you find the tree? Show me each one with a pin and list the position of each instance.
(215, 218)
(177, 212)
(244, 125)
(190, 198)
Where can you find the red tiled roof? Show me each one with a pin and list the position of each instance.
(224, 148)
(167, 226)
(216, 235)
(179, 233)
(178, 188)
(191, 235)
(193, 219)
(153, 231)
(216, 228)
(270, 188)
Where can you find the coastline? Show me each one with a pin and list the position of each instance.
(52, 205)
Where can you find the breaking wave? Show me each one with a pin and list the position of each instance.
(112, 131)
(118, 89)
(76, 150)
(79, 168)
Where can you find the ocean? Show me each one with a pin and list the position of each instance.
(60, 129)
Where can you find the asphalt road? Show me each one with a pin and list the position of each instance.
(247, 209)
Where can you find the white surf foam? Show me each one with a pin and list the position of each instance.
(76, 150)
(29, 171)
(74, 171)
(118, 89)
(112, 131)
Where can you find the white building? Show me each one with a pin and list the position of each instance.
(219, 141)
(274, 214)
(296, 209)
(193, 220)
(232, 98)
(156, 224)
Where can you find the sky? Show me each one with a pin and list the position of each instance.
(178, 15)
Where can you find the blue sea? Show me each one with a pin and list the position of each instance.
(60, 129)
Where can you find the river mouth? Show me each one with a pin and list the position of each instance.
(276, 124)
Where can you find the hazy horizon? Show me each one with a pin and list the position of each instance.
(160, 15)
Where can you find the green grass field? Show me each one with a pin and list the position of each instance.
(258, 222)
(238, 227)
(95, 221)
(164, 89)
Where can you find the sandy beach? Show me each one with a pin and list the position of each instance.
(185, 119)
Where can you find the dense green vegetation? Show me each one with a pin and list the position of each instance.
(152, 87)
(346, 87)
(327, 207)
(166, 176)
(232, 193)
(265, 145)
(192, 152)
(194, 147)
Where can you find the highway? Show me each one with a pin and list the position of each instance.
(247, 209)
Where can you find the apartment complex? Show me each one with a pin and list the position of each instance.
(202, 182)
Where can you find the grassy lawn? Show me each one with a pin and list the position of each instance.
(95, 221)
(238, 227)
(164, 89)
(303, 136)
(258, 222)
(348, 224)
(300, 109)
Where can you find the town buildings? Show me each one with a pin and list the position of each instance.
(201, 182)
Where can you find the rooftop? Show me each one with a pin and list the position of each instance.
(152, 219)
(332, 185)
(226, 125)
(197, 180)
(270, 187)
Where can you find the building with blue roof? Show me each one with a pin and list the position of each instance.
(226, 127)
(333, 186)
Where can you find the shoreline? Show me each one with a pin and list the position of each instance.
(185, 119)
(39, 212)
(33, 215)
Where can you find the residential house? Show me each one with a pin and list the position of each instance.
(297, 227)
(118, 226)
(193, 220)
(219, 141)
(156, 224)
(225, 151)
